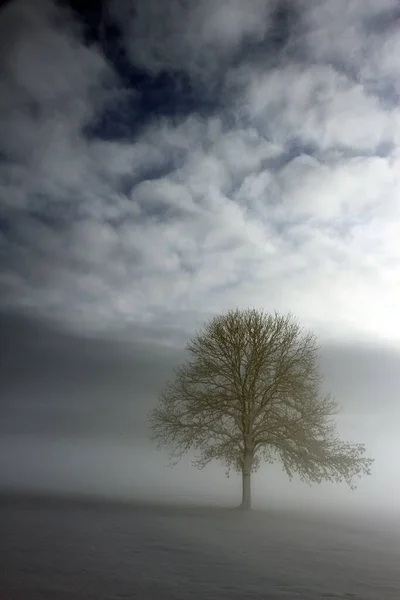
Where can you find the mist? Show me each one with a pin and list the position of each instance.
(161, 165)
(74, 421)
(163, 162)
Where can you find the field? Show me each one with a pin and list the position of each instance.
(70, 549)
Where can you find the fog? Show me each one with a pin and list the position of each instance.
(73, 421)
(112, 470)
(164, 164)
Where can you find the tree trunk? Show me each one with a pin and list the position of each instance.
(246, 481)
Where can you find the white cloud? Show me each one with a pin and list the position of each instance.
(317, 105)
(347, 190)
(211, 216)
(337, 31)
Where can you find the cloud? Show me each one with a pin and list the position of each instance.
(283, 194)
(319, 107)
(345, 190)
(348, 33)
(195, 37)
(50, 87)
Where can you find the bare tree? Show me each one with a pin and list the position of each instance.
(252, 392)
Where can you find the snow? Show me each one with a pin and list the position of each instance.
(60, 548)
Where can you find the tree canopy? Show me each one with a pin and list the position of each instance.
(251, 392)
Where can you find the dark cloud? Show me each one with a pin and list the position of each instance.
(55, 382)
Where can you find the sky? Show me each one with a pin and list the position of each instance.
(164, 162)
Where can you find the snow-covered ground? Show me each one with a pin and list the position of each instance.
(56, 549)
